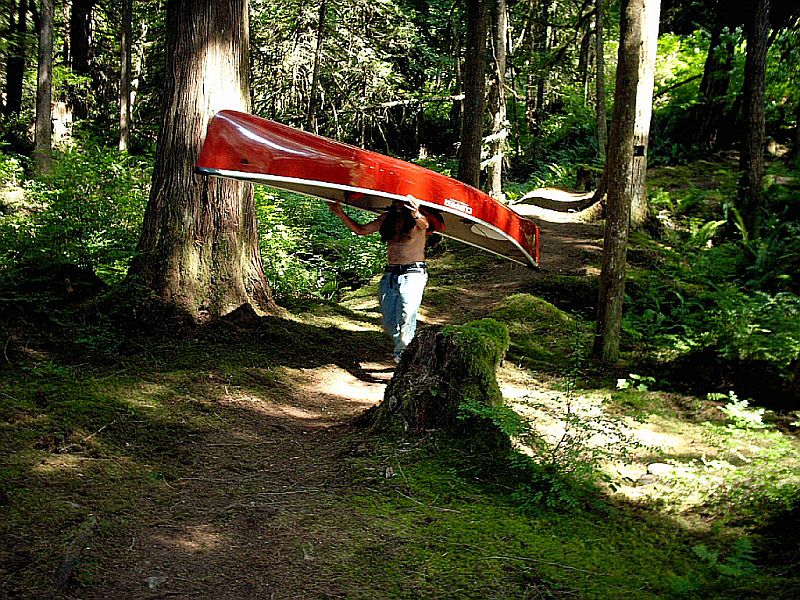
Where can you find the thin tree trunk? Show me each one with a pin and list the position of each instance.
(751, 194)
(796, 147)
(600, 84)
(311, 113)
(713, 89)
(199, 245)
(17, 52)
(620, 160)
(44, 91)
(644, 111)
(497, 102)
(469, 156)
(125, 76)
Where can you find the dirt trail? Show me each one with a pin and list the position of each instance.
(244, 516)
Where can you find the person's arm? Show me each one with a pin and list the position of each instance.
(419, 219)
(357, 228)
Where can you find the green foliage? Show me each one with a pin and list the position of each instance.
(739, 413)
(719, 573)
(306, 250)
(88, 212)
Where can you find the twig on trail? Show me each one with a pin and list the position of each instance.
(439, 508)
(9, 396)
(544, 562)
(237, 445)
(69, 447)
(5, 350)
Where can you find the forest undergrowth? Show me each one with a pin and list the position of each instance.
(224, 462)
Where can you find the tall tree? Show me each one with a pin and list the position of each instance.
(497, 101)
(43, 131)
(751, 196)
(600, 82)
(619, 171)
(644, 111)
(17, 53)
(125, 76)
(469, 155)
(711, 108)
(199, 244)
(80, 48)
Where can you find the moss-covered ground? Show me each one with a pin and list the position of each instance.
(224, 462)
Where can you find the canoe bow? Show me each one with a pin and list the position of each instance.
(248, 148)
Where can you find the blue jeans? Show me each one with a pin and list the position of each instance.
(400, 296)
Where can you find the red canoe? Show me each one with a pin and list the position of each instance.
(245, 147)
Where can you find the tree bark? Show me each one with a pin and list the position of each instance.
(17, 53)
(125, 76)
(618, 204)
(600, 84)
(469, 155)
(710, 110)
(199, 244)
(497, 102)
(644, 111)
(43, 134)
(442, 370)
(750, 199)
(80, 45)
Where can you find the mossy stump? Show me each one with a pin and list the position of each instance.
(446, 382)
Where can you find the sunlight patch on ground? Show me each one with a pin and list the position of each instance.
(201, 538)
(334, 384)
(679, 464)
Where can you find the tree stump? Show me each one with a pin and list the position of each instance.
(446, 381)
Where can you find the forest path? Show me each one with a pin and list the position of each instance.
(259, 504)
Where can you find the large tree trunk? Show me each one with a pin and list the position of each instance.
(125, 76)
(644, 111)
(17, 52)
(497, 102)
(43, 135)
(469, 155)
(751, 196)
(199, 245)
(618, 204)
(600, 84)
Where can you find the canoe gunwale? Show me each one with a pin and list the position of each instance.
(276, 180)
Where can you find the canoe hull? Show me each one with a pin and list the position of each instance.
(248, 148)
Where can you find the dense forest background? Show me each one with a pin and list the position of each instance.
(517, 97)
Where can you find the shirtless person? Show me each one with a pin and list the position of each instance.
(403, 227)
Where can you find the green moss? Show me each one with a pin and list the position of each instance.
(541, 335)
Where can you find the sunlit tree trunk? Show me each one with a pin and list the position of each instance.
(43, 135)
(469, 155)
(600, 83)
(199, 245)
(618, 204)
(311, 113)
(751, 196)
(497, 102)
(17, 52)
(644, 111)
(125, 76)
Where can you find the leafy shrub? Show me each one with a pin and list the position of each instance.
(307, 251)
(88, 212)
